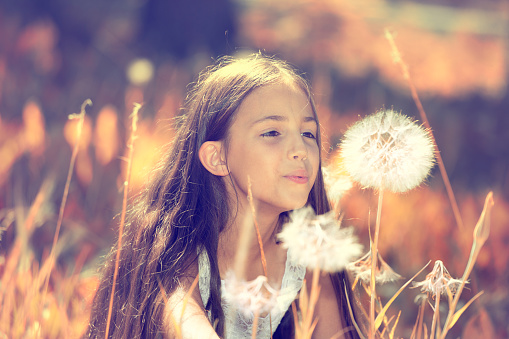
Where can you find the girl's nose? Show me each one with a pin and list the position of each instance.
(300, 156)
(298, 150)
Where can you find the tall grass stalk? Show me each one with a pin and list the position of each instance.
(417, 329)
(383, 310)
(130, 146)
(178, 324)
(310, 324)
(255, 326)
(257, 228)
(350, 310)
(262, 252)
(242, 253)
(20, 244)
(51, 259)
(480, 235)
(305, 324)
(406, 75)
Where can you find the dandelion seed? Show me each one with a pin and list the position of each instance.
(336, 183)
(254, 297)
(318, 241)
(439, 281)
(362, 270)
(387, 150)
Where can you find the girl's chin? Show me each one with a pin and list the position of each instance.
(282, 206)
(296, 206)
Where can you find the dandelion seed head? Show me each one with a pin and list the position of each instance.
(318, 241)
(388, 150)
(362, 270)
(249, 297)
(438, 281)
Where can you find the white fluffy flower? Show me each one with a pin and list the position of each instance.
(336, 183)
(362, 270)
(250, 297)
(388, 150)
(438, 281)
(318, 241)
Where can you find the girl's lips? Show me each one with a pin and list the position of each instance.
(297, 179)
(299, 176)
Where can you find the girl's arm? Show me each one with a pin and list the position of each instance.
(326, 310)
(187, 317)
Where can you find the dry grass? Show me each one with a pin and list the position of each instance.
(62, 312)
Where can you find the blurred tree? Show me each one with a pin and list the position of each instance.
(182, 28)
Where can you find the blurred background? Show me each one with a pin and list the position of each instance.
(57, 53)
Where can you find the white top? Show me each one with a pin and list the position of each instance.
(239, 323)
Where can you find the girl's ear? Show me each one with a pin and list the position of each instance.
(212, 158)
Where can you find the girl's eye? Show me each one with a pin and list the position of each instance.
(271, 134)
(308, 135)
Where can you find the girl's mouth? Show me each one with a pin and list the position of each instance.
(297, 179)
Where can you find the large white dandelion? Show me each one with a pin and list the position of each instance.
(388, 150)
(318, 241)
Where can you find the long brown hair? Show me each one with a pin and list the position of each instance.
(185, 207)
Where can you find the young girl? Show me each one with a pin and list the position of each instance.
(249, 121)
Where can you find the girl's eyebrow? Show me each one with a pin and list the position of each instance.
(283, 118)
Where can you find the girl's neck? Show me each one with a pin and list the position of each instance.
(238, 247)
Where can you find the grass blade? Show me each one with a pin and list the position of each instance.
(458, 314)
(380, 316)
(130, 145)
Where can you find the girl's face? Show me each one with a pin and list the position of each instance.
(273, 141)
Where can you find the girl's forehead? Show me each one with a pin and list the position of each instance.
(284, 96)
(277, 103)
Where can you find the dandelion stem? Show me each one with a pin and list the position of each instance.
(130, 146)
(436, 315)
(406, 75)
(374, 257)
